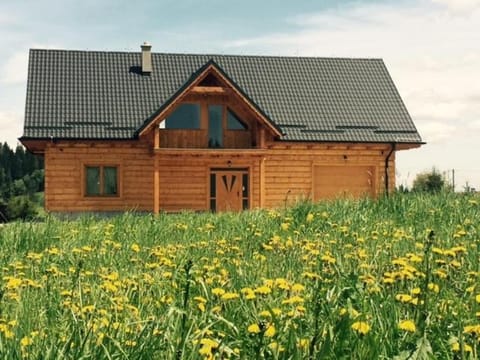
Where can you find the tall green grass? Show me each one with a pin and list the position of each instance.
(343, 279)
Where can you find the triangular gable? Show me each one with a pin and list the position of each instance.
(208, 71)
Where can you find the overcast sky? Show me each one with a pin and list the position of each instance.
(431, 48)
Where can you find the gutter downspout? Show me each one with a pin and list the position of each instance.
(387, 159)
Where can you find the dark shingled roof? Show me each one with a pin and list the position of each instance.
(103, 95)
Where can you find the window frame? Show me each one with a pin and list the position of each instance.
(101, 168)
(197, 104)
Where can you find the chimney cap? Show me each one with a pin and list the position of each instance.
(146, 58)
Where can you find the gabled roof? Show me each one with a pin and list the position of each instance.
(210, 68)
(103, 95)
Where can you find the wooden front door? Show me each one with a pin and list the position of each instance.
(229, 190)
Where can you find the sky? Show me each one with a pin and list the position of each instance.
(430, 47)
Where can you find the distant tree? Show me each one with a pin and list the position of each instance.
(21, 176)
(429, 181)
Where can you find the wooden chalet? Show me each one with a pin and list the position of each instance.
(169, 132)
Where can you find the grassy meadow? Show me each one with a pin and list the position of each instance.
(397, 278)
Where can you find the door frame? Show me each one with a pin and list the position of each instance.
(242, 169)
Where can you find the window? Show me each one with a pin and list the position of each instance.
(101, 180)
(215, 127)
(186, 116)
(233, 122)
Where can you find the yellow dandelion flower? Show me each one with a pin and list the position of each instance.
(293, 300)
(403, 298)
(218, 291)
(407, 325)
(12, 283)
(277, 311)
(135, 247)
(270, 331)
(298, 287)
(263, 290)
(285, 226)
(328, 258)
(254, 329)
(466, 347)
(275, 346)
(310, 217)
(477, 298)
(303, 343)
(229, 296)
(361, 327)
(265, 313)
(433, 287)
(416, 291)
(26, 341)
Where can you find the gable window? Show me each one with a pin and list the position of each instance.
(233, 122)
(215, 126)
(185, 116)
(101, 180)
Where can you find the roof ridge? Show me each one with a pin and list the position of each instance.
(267, 56)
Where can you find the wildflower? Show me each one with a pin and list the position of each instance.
(208, 345)
(433, 287)
(263, 290)
(416, 291)
(309, 217)
(135, 248)
(275, 346)
(477, 298)
(293, 300)
(328, 258)
(265, 313)
(26, 341)
(407, 325)
(254, 329)
(218, 291)
(361, 327)
(230, 296)
(303, 343)
(403, 298)
(298, 287)
(472, 329)
(270, 332)
(248, 293)
(12, 283)
(456, 347)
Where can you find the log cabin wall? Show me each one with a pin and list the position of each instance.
(279, 174)
(293, 171)
(65, 176)
(184, 177)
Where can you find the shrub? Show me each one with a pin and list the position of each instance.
(430, 181)
(21, 207)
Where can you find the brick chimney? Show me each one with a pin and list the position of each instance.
(146, 58)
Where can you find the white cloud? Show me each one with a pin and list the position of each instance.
(11, 125)
(459, 6)
(433, 131)
(15, 69)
